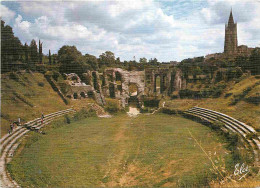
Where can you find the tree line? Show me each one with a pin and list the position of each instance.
(69, 59)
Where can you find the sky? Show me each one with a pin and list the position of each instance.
(169, 30)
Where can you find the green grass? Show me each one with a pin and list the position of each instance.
(244, 109)
(26, 96)
(150, 150)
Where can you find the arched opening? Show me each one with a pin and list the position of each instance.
(102, 80)
(133, 92)
(75, 95)
(162, 83)
(119, 81)
(157, 83)
(133, 101)
(171, 89)
(95, 81)
(83, 95)
(90, 94)
(112, 90)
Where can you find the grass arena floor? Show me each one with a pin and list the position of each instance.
(149, 150)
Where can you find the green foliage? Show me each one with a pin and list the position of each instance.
(153, 62)
(67, 119)
(73, 61)
(112, 106)
(151, 102)
(106, 59)
(143, 60)
(84, 113)
(33, 55)
(11, 49)
(23, 98)
(41, 84)
(239, 97)
(254, 60)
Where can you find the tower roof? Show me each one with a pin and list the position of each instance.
(230, 20)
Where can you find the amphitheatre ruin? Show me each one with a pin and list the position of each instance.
(191, 130)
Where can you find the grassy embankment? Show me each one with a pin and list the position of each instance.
(154, 150)
(238, 100)
(27, 95)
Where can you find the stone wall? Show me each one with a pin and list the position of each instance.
(115, 82)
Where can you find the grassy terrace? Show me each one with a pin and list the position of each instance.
(245, 109)
(150, 150)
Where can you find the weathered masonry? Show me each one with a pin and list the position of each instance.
(116, 82)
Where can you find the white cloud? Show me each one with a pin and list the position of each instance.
(145, 28)
(6, 14)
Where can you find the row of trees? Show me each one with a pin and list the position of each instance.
(15, 55)
(69, 59)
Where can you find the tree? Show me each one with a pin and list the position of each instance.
(11, 48)
(91, 61)
(49, 57)
(153, 62)
(107, 59)
(118, 60)
(71, 60)
(254, 61)
(33, 55)
(143, 60)
(26, 53)
(40, 51)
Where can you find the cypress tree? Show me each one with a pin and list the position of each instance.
(49, 57)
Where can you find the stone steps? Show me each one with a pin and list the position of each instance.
(230, 124)
(10, 142)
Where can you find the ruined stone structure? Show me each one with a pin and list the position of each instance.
(78, 89)
(230, 47)
(115, 82)
(170, 80)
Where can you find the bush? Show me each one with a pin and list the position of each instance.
(67, 119)
(84, 113)
(112, 105)
(151, 102)
(228, 95)
(41, 84)
(14, 76)
(23, 98)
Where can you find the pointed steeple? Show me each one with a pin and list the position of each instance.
(231, 20)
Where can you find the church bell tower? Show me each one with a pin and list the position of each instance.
(230, 47)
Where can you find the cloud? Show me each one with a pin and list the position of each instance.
(167, 30)
(6, 14)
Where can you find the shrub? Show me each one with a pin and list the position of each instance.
(67, 119)
(14, 76)
(23, 98)
(112, 105)
(84, 113)
(56, 75)
(151, 102)
(41, 84)
(228, 95)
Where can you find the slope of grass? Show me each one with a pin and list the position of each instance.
(26, 95)
(155, 150)
(243, 110)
